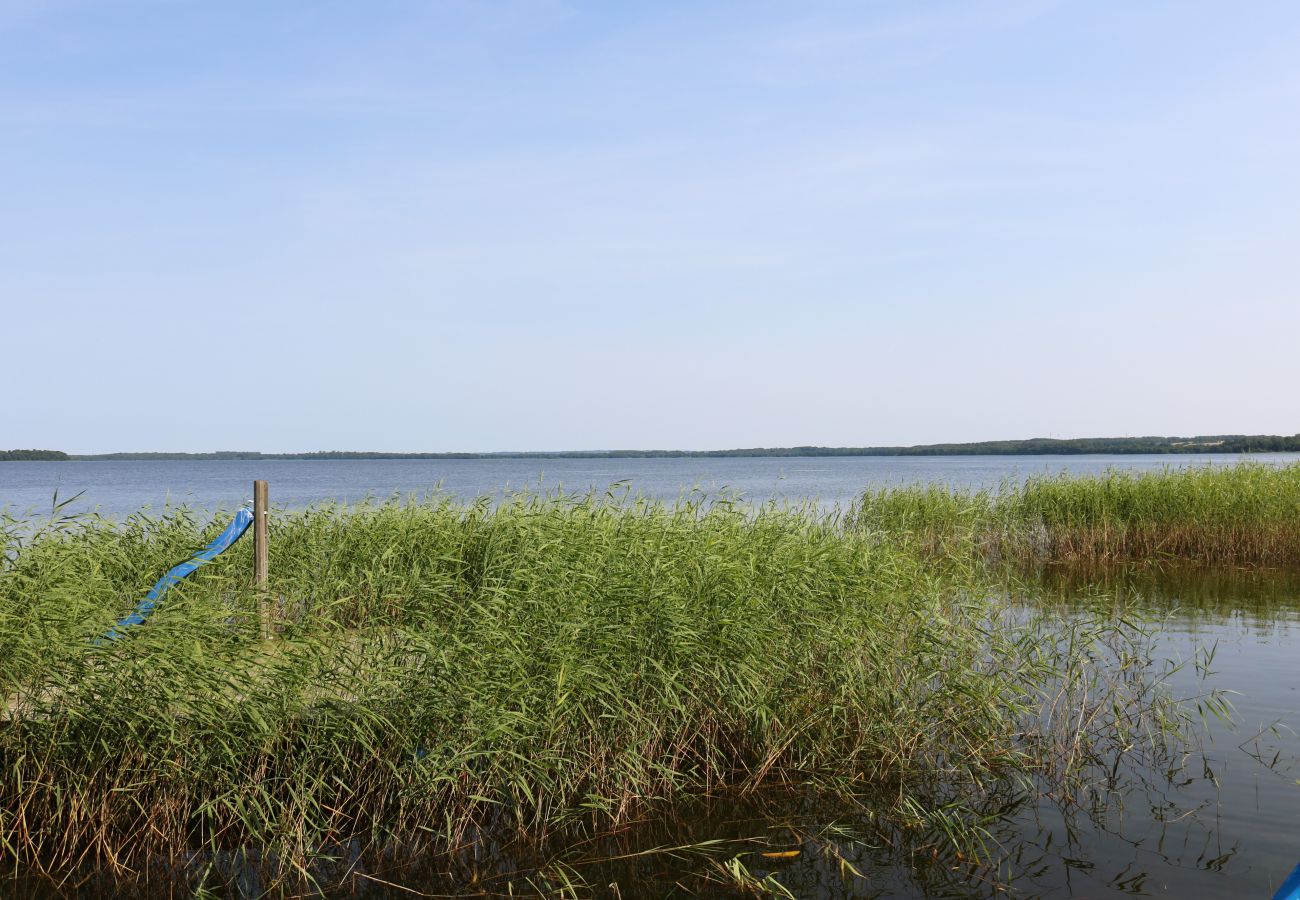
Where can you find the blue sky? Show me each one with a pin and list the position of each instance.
(543, 225)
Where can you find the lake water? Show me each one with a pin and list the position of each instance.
(1227, 826)
(118, 488)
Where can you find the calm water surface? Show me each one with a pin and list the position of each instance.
(1228, 826)
(120, 488)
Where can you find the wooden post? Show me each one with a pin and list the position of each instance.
(260, 559)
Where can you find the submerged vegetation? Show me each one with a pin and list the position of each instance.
(450, 677)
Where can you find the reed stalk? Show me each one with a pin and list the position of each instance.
(1242, 515)
(451, 675)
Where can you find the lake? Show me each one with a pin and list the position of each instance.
(1227, 824)
(118, 488)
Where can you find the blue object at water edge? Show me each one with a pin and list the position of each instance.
(1290, 889)
(233, 532)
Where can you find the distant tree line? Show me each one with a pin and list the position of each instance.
(1218, 443)
(27, 455)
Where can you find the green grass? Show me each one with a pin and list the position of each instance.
(1248, 514)
(449, 673)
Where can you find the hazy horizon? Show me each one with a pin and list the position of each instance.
(532, 451)
(455, 227)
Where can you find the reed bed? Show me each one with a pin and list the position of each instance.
(451, 678)
(1242, 515)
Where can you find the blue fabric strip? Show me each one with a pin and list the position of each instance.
(234, 531)
(1290, 888)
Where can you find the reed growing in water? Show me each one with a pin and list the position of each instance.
(448, 675)
(1247, 514)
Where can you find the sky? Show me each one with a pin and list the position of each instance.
(429, 226)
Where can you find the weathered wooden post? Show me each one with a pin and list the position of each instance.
(261, 562)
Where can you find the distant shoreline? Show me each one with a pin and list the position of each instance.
(1259, 443)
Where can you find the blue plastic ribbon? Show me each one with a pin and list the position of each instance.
(1290, 888)
(234, 531)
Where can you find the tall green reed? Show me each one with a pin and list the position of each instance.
(448, 674)
(1244, 514)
